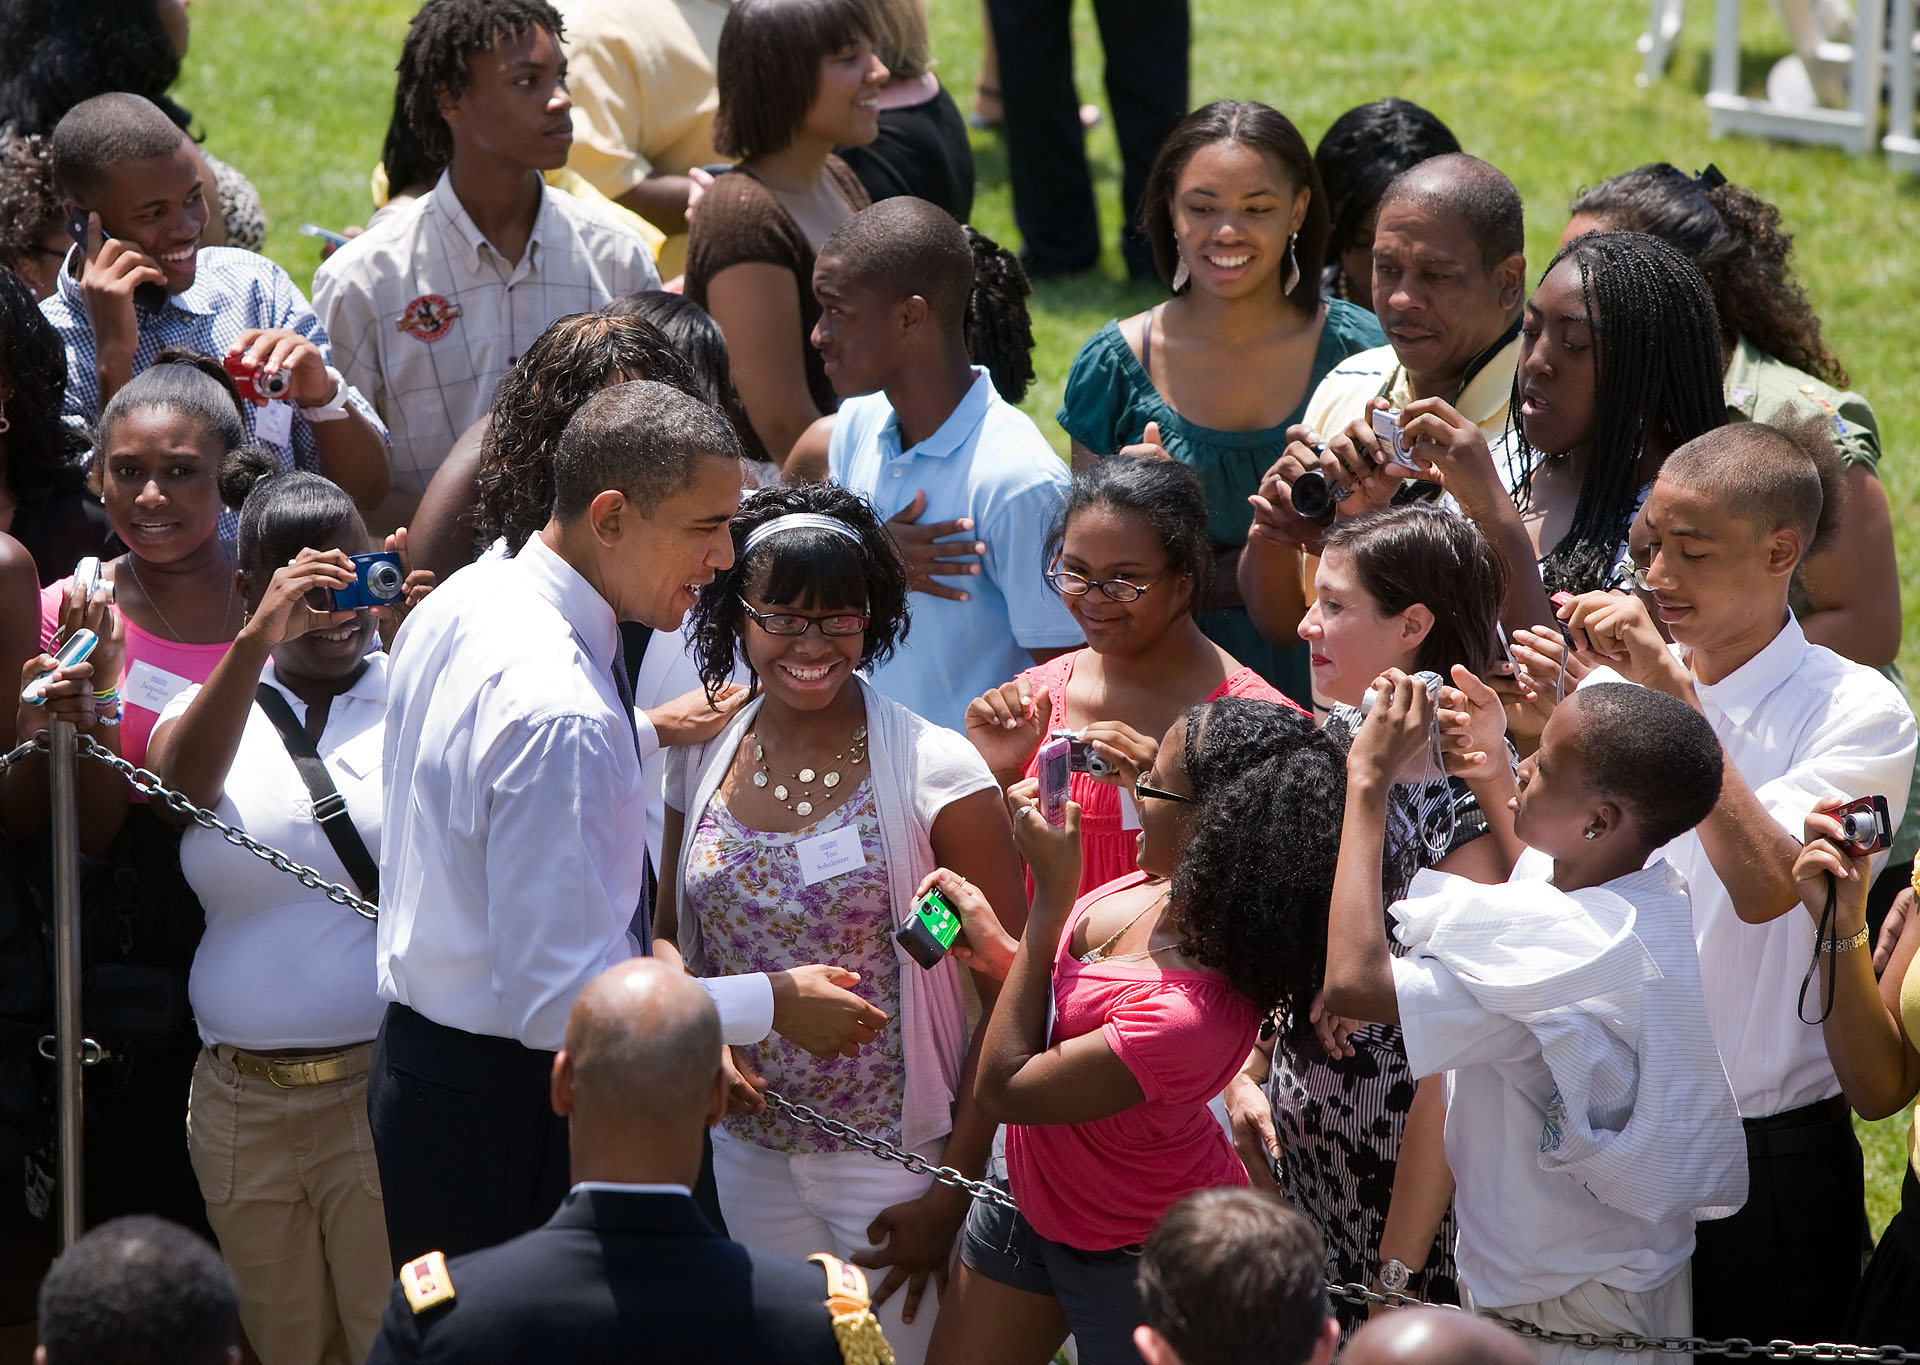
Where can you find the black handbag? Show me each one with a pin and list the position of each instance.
(329, 806)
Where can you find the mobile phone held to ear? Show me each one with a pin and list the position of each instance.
(1055, 766)
(150, 297)
(929, 932)
(74, 651)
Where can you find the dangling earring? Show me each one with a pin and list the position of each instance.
(6, 423)
(1291, 280)
(1179, 277)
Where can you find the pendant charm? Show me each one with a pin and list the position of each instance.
(759, 779)
(759, 754)
(831, 780)
(804, 808)
(780, 792)
(805, 774)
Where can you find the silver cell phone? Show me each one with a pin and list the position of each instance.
(90, 578)
(73, 650)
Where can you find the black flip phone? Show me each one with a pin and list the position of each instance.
(151, 297)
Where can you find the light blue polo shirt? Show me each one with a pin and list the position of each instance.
(987, 461)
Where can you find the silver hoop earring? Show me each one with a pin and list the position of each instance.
(6, 423)
(1180, 277)
(1291, 280)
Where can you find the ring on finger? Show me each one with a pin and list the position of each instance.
(1023, 812)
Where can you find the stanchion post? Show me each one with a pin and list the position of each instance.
(62, 758)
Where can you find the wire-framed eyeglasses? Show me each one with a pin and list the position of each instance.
(1070, 584)
(839, 625)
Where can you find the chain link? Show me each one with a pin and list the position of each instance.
(153, 788)
(1361, 1296)
(1355, 1295)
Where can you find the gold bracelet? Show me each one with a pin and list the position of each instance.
(1845, 945)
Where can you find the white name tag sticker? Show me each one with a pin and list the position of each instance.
(1129, 812)
(274, 424)
(829, 855)
(151, 688)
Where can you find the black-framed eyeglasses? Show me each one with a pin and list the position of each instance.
(839, 625)
(1143, 789)
(1070, 584)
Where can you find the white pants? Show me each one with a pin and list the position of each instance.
(794, 1204)
(1604, 1311)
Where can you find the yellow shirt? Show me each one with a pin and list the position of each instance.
(1910, 1023)
(1342, 396)
(641, 73)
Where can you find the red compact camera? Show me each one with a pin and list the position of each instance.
(253, 383)
(1864, 826)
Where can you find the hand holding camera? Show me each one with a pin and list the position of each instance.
(1842, 837)
(1400, 718)
(278, 363)
(950, 915)
(1473, 729)
(302, 596)
(1110, 751)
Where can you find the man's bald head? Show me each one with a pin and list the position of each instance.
(1472, 190)
(643, 1047)
(1435, 1336)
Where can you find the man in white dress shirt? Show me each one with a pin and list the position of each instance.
(1730, 518)
(513, 867)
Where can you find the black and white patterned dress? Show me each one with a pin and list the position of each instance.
(1339, 1122)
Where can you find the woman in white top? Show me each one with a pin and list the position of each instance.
(804, 831)
(282, 984)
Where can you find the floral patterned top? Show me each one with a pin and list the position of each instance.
(757, 914)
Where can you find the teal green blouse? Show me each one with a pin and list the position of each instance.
(1110, 400)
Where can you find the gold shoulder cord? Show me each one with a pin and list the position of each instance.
(854, 1325)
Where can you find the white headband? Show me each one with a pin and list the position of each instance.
(793, 521)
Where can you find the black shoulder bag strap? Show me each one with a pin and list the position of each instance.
(329, 806)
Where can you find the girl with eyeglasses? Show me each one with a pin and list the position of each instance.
(803, 833)
(1131, 559)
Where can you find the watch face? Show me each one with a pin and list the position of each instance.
(1395, 1276)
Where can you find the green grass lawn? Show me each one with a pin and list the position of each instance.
(298, 98)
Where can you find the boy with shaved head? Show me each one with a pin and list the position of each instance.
(1731, 517)
(138, 281)
(627, 1268)
(925, 438)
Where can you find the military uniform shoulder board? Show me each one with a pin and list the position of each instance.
(851, 1308)
(425, 1282)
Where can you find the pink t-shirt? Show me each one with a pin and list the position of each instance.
(1183, 1034)
(1107, 846)
(156, 671)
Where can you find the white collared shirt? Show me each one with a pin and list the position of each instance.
(426, 316)
(1800, 723)
(515, 829)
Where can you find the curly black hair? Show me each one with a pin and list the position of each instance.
(802, 568)
(1165, 494)
(1734, 237)
(437, 57)
(1361, 153)
(41, 450)
(1657, 367)
(29, 208)
(59, 53)
(1253, 884)
(998, 326)
(576, 357)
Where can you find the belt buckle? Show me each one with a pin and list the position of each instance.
(274, 1067)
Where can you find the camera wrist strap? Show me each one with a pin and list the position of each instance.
(329, 806)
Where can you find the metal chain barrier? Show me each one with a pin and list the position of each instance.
(1355, 1295)
(150, 786)
(1361, 1296)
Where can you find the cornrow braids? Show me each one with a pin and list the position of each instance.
(998, 327)
(1657, 367)
(438, 56)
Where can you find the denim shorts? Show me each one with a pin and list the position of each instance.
(1097, 1290)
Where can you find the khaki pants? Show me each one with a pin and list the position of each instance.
(1594, 1307)
(293, 1194)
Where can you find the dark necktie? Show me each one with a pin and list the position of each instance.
(642, 924)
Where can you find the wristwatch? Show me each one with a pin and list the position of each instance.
(1395, 1277)
(335, 407)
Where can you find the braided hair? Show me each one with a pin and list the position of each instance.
(1253, 883)
(1734, 237)
(1657, 368)
(441, 43)
(998, 327)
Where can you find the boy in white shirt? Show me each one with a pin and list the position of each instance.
(1589, 1121)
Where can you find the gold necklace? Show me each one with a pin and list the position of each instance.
(765, 774)
(1093, 955)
